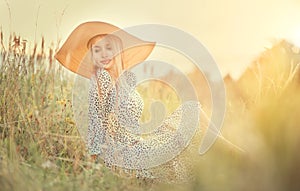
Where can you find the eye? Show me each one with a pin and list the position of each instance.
(96, 50)
(108, 47)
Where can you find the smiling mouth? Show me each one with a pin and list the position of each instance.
(105, 62)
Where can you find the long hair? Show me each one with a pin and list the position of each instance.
(117, 47)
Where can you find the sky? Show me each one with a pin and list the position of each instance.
(235, 32)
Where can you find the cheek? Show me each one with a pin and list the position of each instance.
(95, 56)
(110, 53)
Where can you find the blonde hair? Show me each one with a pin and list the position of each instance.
(117, 47)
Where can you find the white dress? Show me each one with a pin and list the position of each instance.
(114, 113)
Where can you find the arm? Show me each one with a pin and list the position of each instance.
(99, 107)
(130, 103)
(95, 133)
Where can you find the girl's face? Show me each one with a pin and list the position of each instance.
(102, 54)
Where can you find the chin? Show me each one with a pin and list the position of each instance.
(107, 67)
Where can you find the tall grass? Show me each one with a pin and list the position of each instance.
(41, 149)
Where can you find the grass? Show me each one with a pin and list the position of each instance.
(39, 142)
(41, 149)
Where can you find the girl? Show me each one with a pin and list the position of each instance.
(95, 51)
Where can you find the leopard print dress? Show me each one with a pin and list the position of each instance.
(114, 113)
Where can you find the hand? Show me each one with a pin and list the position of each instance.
(94, 157)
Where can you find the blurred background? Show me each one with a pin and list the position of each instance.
(233, 31)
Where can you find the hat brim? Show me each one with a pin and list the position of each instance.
(73, 52)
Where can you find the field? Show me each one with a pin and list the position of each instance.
(41, 149)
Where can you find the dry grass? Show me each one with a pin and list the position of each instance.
(40, 147)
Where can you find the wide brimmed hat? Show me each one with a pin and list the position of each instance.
(73, 53)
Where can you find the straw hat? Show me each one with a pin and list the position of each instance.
(73, 53)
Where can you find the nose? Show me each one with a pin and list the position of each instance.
(104, 54)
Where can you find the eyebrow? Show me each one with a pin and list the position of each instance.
(96, 46)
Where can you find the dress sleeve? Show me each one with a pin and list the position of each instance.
(100, 104)
(130, 104)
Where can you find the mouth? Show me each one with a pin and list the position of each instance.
(105, 62)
